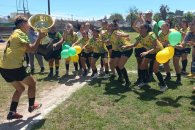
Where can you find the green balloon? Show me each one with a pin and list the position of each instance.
(160, 23)
(72, 51)
(65, 46)
(174, 37)
(64, 54)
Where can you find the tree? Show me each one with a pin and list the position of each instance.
(116, 16)
(157, 17)
(189, 16)
(132, 16)
(164, 9)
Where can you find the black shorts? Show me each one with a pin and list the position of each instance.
(178, 52)
(86, 55)
(98, 55)
(109, 47)
(186, 51)
(54, 55)
(11, 75)
(151, 56)
(138, 52)
(127, 53)
(115, 54)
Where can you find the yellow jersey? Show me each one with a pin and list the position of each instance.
(116, 41)
(97, 45)
(147, 42)
(87, 48)
(70, 39)
(15, 50)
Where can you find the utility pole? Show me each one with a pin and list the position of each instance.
(72, 16)
(48, 7)
(22, 7)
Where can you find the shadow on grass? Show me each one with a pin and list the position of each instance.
(167, 101)
(115, 88)
(50, 79)
(173, 84)
(19, 124)
(147, 93)
(72, 79)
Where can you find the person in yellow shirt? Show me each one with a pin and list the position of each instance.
(108, 39)
(125, 55)
(149, 41)
(117, 40)
(86, 52)
(189, 40)
(163, 38)
(12, 69)
(68, 38)
(104, 35)
(99, 50)
(187, 50)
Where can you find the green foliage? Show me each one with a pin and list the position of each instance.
(157, 17)
(189, 16)
(164, 9)
(116, 16)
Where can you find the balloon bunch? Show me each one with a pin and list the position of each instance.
(70, 52)
(167, 53)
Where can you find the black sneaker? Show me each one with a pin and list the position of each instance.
(120, 79)
(84, 74)
(14, 115)
(127, 84)
(178, 81)
(42, 70)
(167, 78)
(138, 81)
(32, 71)
(50, 74)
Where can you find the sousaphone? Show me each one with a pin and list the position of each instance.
(41, 22)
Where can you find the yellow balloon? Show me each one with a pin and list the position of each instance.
(74, 58)
(78, 49)
(163, 56)
(171, 51)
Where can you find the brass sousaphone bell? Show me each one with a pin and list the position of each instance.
(41, 22)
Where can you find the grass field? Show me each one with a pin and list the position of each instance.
(105, 104)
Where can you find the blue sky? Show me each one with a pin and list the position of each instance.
(88, 9)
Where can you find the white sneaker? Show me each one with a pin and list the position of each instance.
(163, 88)
(141, 85)
(95, 76)
(106, 76)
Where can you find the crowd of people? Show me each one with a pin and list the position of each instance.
(112, 45)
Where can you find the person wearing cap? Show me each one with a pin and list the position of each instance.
(154, 26)
(12, 69)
